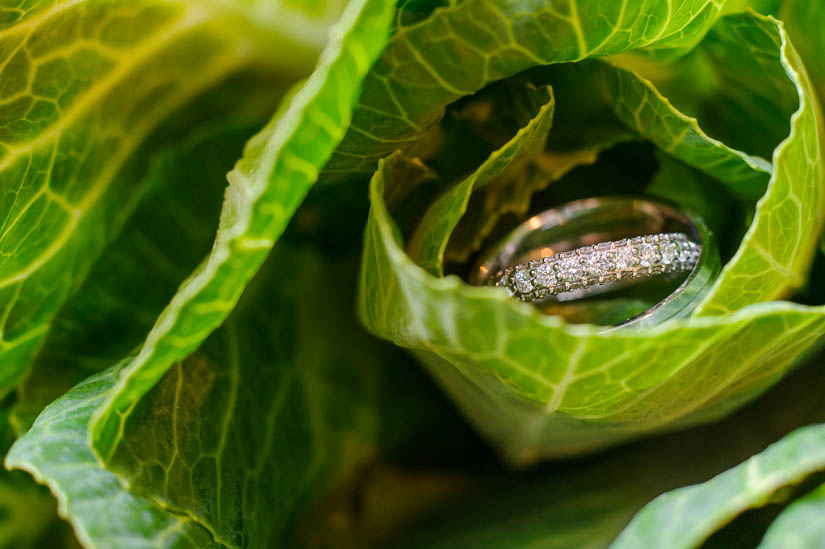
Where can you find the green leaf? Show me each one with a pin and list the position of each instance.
(250, 410)
(511, 196)
(236, 440)
(759, 83)
(800, 525)
(640, 105)
(573, 143)
(586, 503)
(268, 184)
(27, 511)
(803, 20)
(765, 7)
(694, 191)
(85, 84)
(115, 307)
(776, 252)
(103, 513)
(686, 517)
(429, 242)
(460, 49)
(535, 386)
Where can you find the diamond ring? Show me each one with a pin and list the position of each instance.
(599, 245)
(602, 263)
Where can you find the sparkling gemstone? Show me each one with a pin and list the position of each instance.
(600, 264)
(648, 254)
(545, 275)
(522, 282)
(670, 252)
(625, 259)
(507, 283)
(573, 268)
(686, 252)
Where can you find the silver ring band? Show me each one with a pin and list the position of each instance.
(597, 245)
(600, 264)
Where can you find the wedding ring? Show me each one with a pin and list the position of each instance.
(600, 264)
(599, 245)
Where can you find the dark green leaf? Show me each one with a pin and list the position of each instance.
(84, 85)
(238, 438)
(430, 240)
(267, 185)
(460, 49)
(684, 518)
(536, 386)
(800, 525)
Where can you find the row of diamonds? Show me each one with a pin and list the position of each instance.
(599, 264)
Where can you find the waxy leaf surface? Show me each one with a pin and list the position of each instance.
(266, 187)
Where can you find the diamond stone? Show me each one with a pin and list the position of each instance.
(574, 268)
(545, 275)
(599, 264)
(686, 252)
(648, 254)
(670, 252)
(522, 282)
(625, 259)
